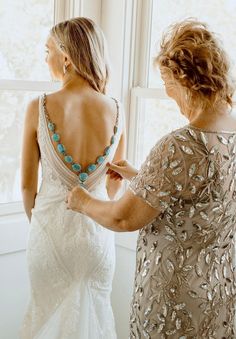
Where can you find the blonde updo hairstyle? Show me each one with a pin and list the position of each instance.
(193, 57)
(84, 43)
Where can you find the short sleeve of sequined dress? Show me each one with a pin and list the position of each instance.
(161, 178)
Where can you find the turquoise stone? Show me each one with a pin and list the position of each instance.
(76, 167)
(112, 139)
(107, 150)
(100, 159)
(68, 159)
(61, 148)
(83, 177)
(55, 137)
(92, 168)
(51, 126)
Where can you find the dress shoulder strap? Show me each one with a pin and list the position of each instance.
(117, 112)
(41, 121)
(119, 117)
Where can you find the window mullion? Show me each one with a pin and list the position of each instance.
(27, 85)
(138, 93)
(63, 10)
(143, 42)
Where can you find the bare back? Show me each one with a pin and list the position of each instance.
(85, 122)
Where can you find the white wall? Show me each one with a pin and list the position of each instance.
(123, 288)
(14, 287)
(14, 293)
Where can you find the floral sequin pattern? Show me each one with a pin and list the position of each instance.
(185, 282)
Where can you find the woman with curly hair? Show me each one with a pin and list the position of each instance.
(183, 200)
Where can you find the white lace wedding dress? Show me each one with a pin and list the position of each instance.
(70, 257)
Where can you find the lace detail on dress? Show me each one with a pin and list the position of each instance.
(185, 284)
(165, 159)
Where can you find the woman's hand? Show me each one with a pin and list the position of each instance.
(77, 199)
(121, 169)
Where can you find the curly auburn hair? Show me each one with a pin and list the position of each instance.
(194, 57)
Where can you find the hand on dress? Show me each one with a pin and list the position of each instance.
(77, 199)
(121, 169)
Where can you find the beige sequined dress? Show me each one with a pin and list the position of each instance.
(185, 283)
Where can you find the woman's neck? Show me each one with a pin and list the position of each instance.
(219, 118)
(73, 81)
(209, 115)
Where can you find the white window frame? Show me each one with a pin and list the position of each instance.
(140, 89)
(137, 94)
(139, 64)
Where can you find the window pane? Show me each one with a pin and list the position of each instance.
(24, 28)
(12, 109)
(156, 119)
(220, 15)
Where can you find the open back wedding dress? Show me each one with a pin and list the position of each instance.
(70, 257)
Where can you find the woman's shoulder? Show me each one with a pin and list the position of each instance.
(170, 138)
(32, 112)
(182, 141)
(87, 98)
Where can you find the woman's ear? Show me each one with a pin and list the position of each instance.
(67, 61)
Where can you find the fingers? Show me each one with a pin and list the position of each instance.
(115, 168)
(112, 166)
(121, 163)
(114, 175)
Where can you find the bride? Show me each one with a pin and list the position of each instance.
(74, 133)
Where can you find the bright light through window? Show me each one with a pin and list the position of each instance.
(25, 25)
(157, 117)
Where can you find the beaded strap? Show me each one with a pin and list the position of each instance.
(77, 168)
(118, 112)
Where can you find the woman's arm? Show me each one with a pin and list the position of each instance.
(30, 157)
(127, 214)
(156, 186)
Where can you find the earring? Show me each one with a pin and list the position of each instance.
(64, 68)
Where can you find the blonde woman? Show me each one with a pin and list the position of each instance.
(73, 133)
(183, 200)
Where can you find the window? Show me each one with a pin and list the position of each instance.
(12, 108)
(152, 112)
(24, 28)
(24, 75)
(156, 115)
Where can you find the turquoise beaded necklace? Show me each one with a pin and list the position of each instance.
(83, 174)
